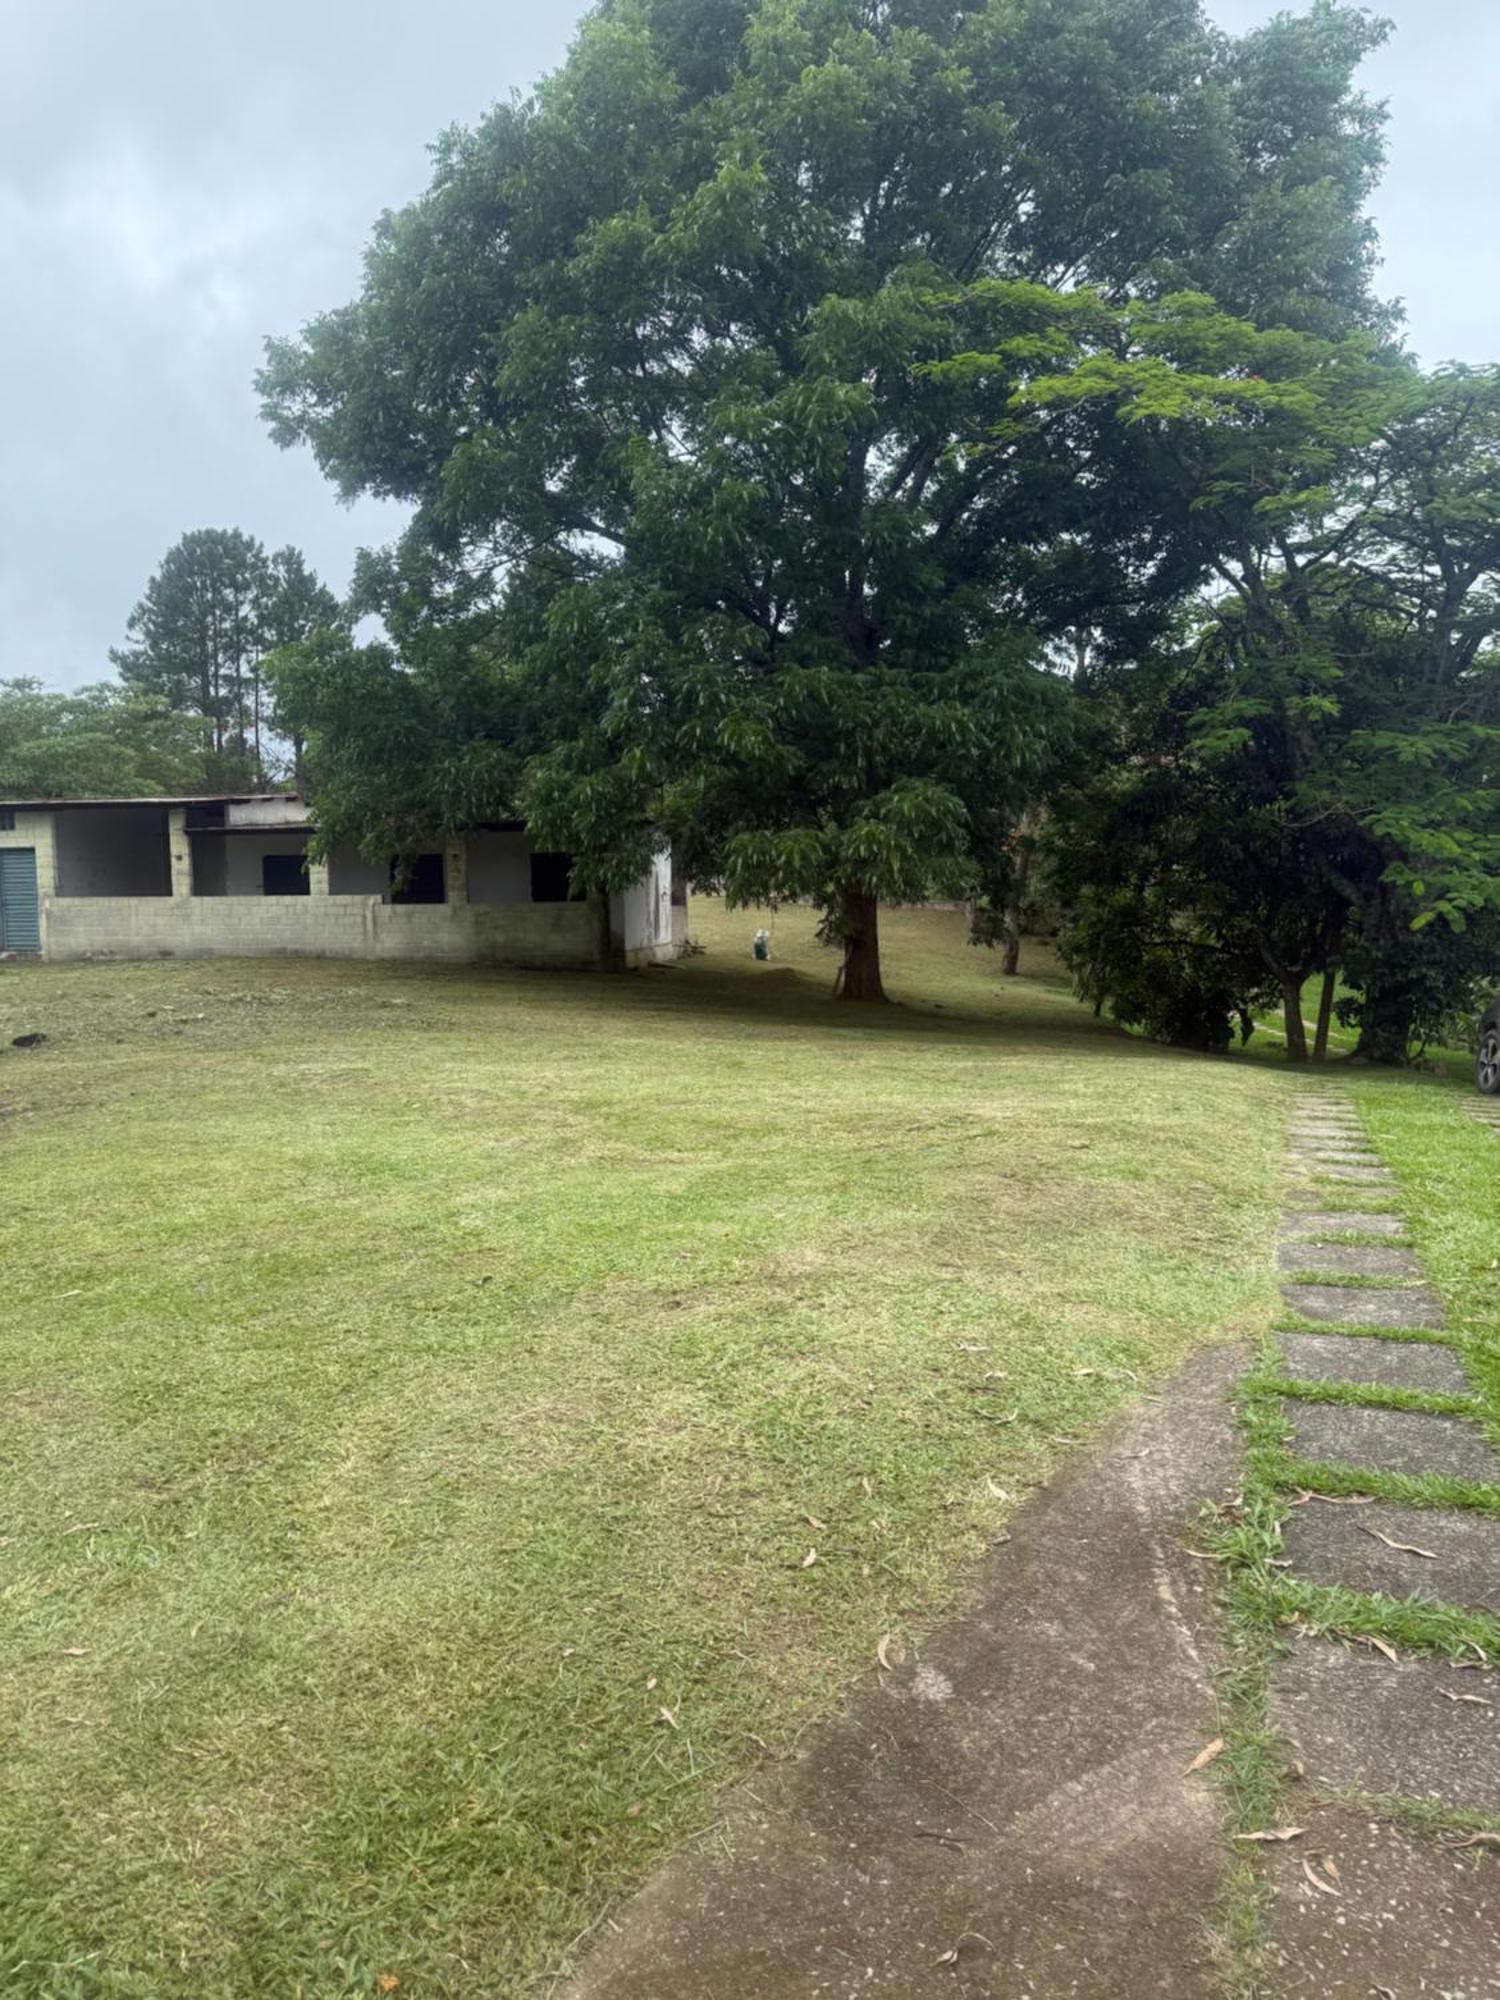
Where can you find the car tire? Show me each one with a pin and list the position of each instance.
(1487, 1061)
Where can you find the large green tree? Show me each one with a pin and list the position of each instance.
(95, 742)
(671, 361)
(1309, 778)
(216, 606)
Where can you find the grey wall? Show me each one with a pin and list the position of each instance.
(210, 864)
(242, 856)
(113, 851)
(499, 868)
(350, 875)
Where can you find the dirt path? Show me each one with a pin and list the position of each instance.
(1009, 1813)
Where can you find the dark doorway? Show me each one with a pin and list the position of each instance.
(424, 881)
(283, 875)
(549, 878)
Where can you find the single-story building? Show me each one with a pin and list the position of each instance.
(229, 876)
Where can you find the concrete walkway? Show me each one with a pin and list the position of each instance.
(1013, 1812)
(1010, 1813)
(1365, 1903)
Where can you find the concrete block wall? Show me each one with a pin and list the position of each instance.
(317, 926)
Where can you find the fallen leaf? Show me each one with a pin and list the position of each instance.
(665, 1715)
(1274, 1833)
(1205, 1756)
(888, 1645)
(1331, 1869)
(82, 1527)
(948, 1958)
(868, 1485)
(650, 1685)
(818, 1527)
(1323, 1888)
(74, 1652)
(1056, 1437)
(387, 1981)
(1477, 1700)
(1203, 1555)
(1381, 1646)
(996, 1492)
(1402, 1548)
(809, 1559)
(1339, 1499)
(1476, 1840)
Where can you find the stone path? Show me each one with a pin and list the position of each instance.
(1013, 1810)
(1398, 1912)
(1021, 1807)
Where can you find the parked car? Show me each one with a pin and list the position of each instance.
(1487, 1061)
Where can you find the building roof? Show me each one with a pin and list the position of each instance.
(160, 799)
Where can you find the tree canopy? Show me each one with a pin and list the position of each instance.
(1306, 779)
(96, 742)
(217, 605)
(712, 370)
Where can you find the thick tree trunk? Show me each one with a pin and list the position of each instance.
(1010, 957)
(1296, 1034)
(859, 932)
(1385, 1030)
(1325, 1012)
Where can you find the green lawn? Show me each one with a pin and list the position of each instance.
(420, 1384)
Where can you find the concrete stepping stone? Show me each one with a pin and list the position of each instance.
(1357, 1720)
(1402, 1306)
(1332, 1544)
(1411, 1917)
(1348, 1260)
(1393, 1364)
(1354, 1171)
(1299, 1224)
(1407, 1441)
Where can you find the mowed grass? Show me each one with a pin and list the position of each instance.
(422, 1391)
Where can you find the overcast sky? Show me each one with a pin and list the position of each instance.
(179, 178)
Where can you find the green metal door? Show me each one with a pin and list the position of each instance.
(19, 928)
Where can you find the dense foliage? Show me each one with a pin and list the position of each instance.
(1304, 781)
(707, 371)
(97, 742)
(214, 610)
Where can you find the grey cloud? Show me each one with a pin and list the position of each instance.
(178, 180)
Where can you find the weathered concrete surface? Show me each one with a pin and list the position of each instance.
(1357, 1719)
(1348, 1260)
(1299, 1224)
(1411, 1917)
(1410, 1307)
(1356, 1173)
(1332, 1544)
(1016, 1795)
(1395, 1364)
(1408, 1441)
